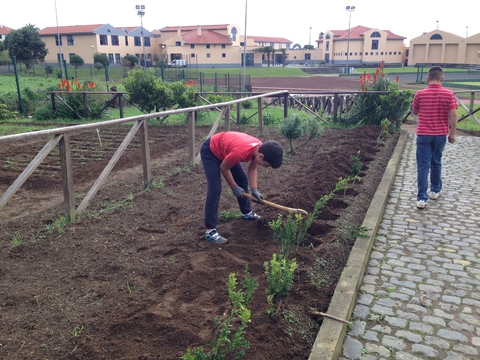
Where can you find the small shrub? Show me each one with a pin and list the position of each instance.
(44, 113)
(247, 105)
(5, 113)
(356, 164)
(270, 120)
(48, 69)
(279, 274)
(313, 128)
(292, 128)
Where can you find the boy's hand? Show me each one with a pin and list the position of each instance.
(238, 191)
(257, 195)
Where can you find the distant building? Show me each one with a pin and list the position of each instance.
(4, 31)
(364, 46)
(443, 48)
(86, 40)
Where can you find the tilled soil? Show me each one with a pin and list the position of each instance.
(134, 278)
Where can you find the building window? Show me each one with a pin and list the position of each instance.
(374, 44)
(103, 40)
(390, 53)
(272, 45)
(394, 53)
(70, 56)
(60, 59)
(192, 46)
(375, 34)
(355, 53)
(208, 55)
(234, 33)
(288, 46)
(436, 37)
(381, 53)
(56, 40)
(126, 40)
(115, 41)
(371, 53)
(308, 56)
(178, 43)
(70, 41)
(192, 55)
(207, 46)
(327, 46)
(366, 54)
(118, 60)
(242, 43)
(137, 41)
(376, 53)
(146, 40)
(224, 55)
(223, 46)
(110, 58)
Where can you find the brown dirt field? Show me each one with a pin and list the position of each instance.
(134, 278)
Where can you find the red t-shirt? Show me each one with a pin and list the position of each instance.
(234, 147)
(433, 104)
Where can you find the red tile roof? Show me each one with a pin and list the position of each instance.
(267, 39)
(74, 29)
(194, 27)
(358, 32)
(206, 37)
(5, 30)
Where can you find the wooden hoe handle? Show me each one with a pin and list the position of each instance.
(280, 207)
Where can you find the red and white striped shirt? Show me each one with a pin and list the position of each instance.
(433, 105)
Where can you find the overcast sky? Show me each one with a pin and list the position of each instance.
(287, 19)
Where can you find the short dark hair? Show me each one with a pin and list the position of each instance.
(272, 153)
(435, 73)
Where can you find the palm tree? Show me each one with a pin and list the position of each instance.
(283, 51)
(266, 50)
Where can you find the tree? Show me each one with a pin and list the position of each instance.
(147, 91)
(25, 44)
(284, 52)
(77, 61)
(102, 59)
(266, 50)
(292, 128)
(129, 61)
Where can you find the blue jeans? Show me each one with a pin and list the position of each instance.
(211, 167)
(429, 159)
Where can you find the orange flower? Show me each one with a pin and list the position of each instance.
(397, 79)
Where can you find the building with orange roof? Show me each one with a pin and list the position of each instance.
(4, 31)
(86, 40)
(361, 45)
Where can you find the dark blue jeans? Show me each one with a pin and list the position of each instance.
(429, 159)
(211, 166)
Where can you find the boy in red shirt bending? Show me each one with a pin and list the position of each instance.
(436, 108)
(222, 154)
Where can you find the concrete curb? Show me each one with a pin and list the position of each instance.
(329, 341)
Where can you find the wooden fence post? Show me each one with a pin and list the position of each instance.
(67, 177)
(146, 163)
(260, 116)
(191, 139)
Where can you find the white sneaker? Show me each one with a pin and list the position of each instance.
(421, 204)
(434, 195)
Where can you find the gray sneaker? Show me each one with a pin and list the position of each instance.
(215, 238)
(434, 195)
(421, 204)
(251, 216)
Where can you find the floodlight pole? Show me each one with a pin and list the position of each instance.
(349, 9)
(60, 60)
(245, 49)
(141, 13)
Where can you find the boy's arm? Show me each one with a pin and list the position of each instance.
(252, 174)
(452, 121)
(225, 169)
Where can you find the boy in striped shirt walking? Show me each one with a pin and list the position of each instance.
(436, 108)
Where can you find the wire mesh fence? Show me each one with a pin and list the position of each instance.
(191, 75)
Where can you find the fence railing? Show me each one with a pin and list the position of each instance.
(61, 137)
(313, 102)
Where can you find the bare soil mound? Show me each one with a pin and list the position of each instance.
(134, 277)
